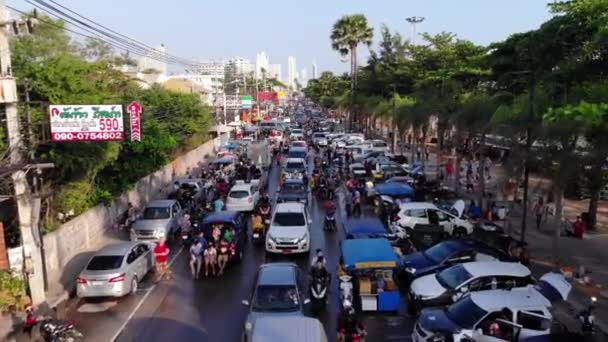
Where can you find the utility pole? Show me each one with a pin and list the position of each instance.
(27, 206)
(414, 21)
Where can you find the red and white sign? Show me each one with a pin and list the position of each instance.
(86, 122)
(134, 110)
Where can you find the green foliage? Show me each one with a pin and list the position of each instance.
(60, 71)
(12, 292)
(350, 31)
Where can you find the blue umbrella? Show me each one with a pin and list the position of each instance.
(394, 189)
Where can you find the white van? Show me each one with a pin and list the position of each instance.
(288, 329)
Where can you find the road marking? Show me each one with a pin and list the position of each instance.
(142, 300)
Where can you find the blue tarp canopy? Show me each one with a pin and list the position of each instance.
(368, 253)
(364, 228)
(394, 189)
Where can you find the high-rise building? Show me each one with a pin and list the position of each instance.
(238, 66)
(261, 62)
(209, 67)
(314, 70)
(275, 71)
(151, 60)
(291, 72)
(303, 79)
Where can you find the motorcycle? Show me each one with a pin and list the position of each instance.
(587, 319)
(322, 193)
(346, 289)
(53, 330)
(318, 291)
(330, 221)
(259, 232)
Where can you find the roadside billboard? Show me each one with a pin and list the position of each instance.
(86, 122)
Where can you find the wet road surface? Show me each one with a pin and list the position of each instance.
(210, 309)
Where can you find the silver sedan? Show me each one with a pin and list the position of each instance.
(116, 270)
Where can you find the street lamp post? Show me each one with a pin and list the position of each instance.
(414, 21)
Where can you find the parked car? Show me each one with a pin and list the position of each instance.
(115, 270)
(380, 146)
(519, 313)
(227, 220)
(293, 190)
(289, 229)
(159, 219)
(454, 223)
(278, 292)
(445, 287)
(242, 197)
(445, 254)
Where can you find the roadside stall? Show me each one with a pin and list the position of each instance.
(370, 263)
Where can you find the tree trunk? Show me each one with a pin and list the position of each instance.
(394, 134)
(414, 144)
(482, 173)
(593, 204)
(558, 195)
(352, 89)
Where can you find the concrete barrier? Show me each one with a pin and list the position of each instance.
(67, 249)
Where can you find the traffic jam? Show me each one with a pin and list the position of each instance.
(400, 239)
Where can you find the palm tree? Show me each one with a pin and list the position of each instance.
(346, 35)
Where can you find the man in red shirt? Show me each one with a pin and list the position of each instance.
(161, 253)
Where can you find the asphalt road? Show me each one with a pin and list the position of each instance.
(210, 309)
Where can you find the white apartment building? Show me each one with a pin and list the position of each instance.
(292, 72)
(261, 62)
(153, 60)
(275, 71)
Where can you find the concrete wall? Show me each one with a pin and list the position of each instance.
(68, 249)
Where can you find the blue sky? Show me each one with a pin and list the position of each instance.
(215, 29)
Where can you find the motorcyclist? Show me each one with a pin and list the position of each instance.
(319, 272)
(319, 258)
(349, 324)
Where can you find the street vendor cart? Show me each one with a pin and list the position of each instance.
(370, 264)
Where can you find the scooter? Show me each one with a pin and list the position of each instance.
(587, 319)
(318, 291)
(330, 221)
(259, 233)
(346, 289)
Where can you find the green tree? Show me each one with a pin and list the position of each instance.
(347, 34)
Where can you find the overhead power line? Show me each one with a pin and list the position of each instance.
(94, 36)
(106, 34)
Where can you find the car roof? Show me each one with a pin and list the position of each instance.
(496, 268)
(290, 207)
(160, 203)
(120, 248)
(522, 297)
(220, 217)
(293, 181)
(418, 205)
(241, 186)
(297, 149)
(296, 160)
(278, 273)
(288, 328)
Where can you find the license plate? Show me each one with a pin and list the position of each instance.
(287, 251)
(97, 283)
(256, 235)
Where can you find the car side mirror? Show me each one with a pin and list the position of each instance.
(464, 289)
(245, 302)
(306, 301)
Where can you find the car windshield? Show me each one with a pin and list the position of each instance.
(294, 165)
(293, 187)
(318, 135)
(298, 144)
(439, 252)
(105, 262)
(276, 298)
(297, 154)
(156, 213)
(465, 313)
(453, 277)
(289, 219)
(238, 194)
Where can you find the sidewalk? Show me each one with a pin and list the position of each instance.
(592, 252)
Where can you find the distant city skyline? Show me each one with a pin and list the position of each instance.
(480, 21)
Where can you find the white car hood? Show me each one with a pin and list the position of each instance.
(427, 287)
(287, 232)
